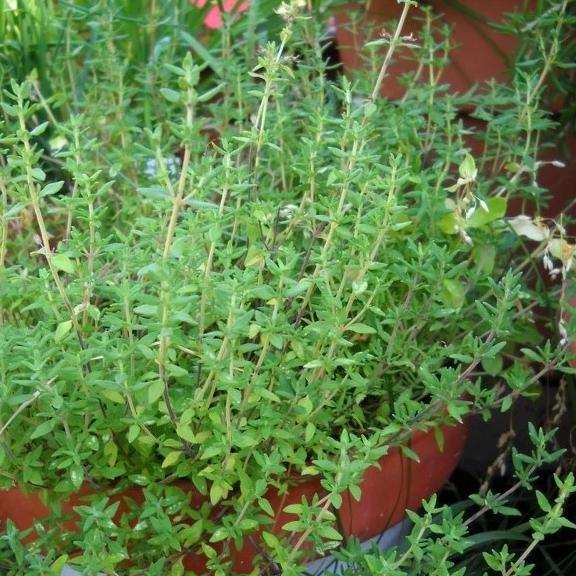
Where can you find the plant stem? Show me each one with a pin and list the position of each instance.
(391, 49)
(46, 248)
(177, 203)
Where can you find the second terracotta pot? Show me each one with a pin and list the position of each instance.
(398, 484)
(479, 52)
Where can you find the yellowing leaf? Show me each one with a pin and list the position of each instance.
(525, 226)
(562, 250)
(253, 330)
(254, 257)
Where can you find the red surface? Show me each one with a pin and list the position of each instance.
(386, 494)
(472, 58)
(213, 18)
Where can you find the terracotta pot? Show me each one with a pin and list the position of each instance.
(399, 484)
(479, 52)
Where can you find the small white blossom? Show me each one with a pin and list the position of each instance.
(563, 332)
(287, 211)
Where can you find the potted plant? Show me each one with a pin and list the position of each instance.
(206, 356)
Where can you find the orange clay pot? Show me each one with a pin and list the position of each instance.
(478, 53)
(399, 484)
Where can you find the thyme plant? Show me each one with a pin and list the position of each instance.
(267, 275)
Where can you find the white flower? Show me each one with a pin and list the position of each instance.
(563, 332)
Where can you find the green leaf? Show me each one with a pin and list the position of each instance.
(336, 500)
(52, 188)
(496, 210)
(310, 431)
(439, 437)
(62, 263)
(114, 396)
(566, 523)
(329, 532)
(177, 568)
(155, 391)
(154, 193)
(172, 458)
(356, 492)
(531, 354)
(265, 505)
(483, 538)
(211, 93)
(40, 129)
(506, 404)
(43, 429)
(493, 366)
(314, 364)
(57, 566)
(9, 109)
(133, 433)
(146, 310)
(38, 174)
(192, 534)
(409, 453)
(508, 511)
(216, 493)
(14, 210)
(62, 329)
(76, 476)
(270, 539)
(219, 535)
(493, 561)
(453, 293)
(484, 257)
(185, 432)
(543, 501)
(361, 329)
(467, 168)
(170, 95)
(293, 526)
(177, 371)
(448, 224)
